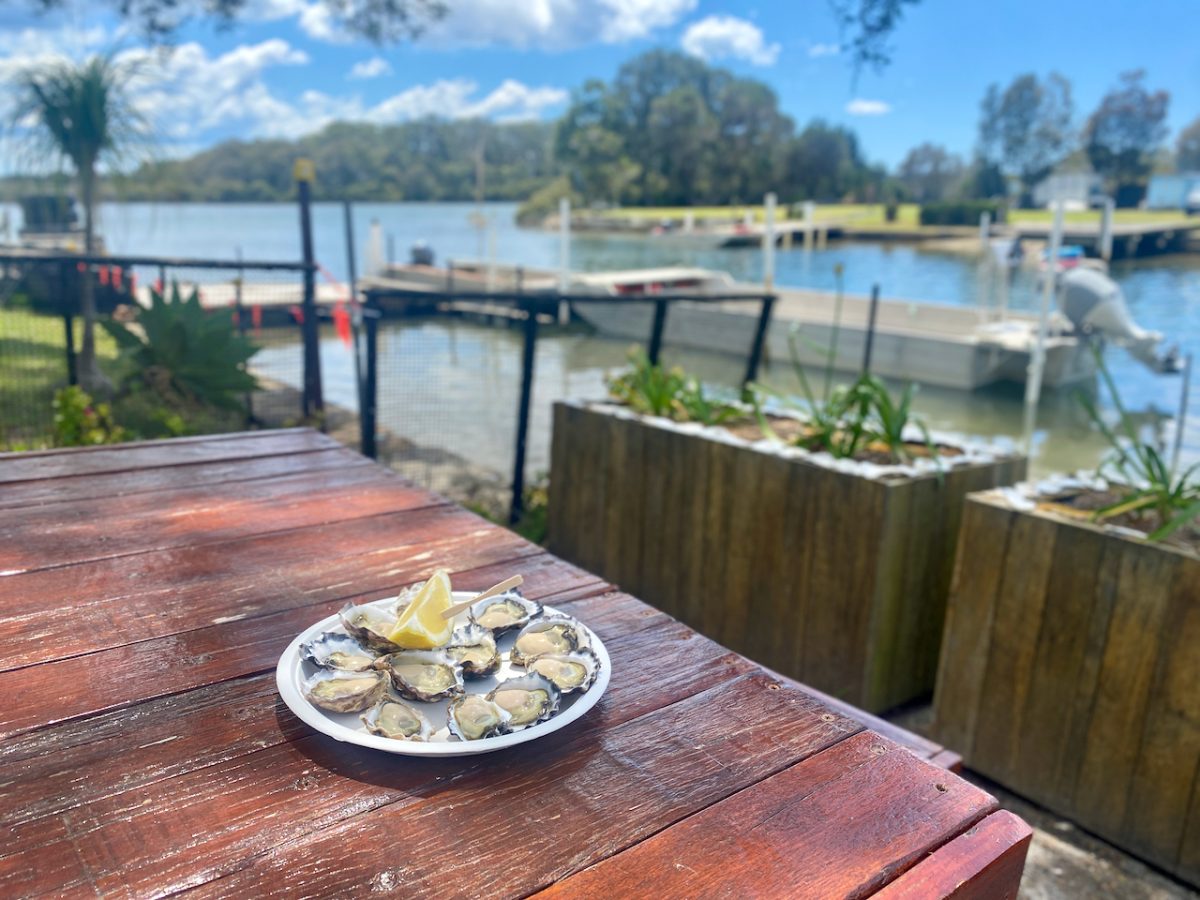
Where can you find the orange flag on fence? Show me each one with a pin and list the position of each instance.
(341, 322)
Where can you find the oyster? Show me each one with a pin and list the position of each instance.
(370, 624)
(344, 692)
(474, 647)
(392, 718)
(570, 672)
(552, 634)
(426, 675)
(338, 651)
(527, 700)
(474, 717)
(505, 611)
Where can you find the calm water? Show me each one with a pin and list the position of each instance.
(423, 364)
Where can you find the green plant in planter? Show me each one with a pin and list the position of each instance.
(1174, 498)
(651, 389)
(185, 359)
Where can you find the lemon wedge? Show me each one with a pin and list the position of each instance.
(421, 626)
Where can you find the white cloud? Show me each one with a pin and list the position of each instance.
(374, 67)
(816, 51)
(861, 107)
(727, 37)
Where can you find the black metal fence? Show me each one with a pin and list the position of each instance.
(409, 418)
(41, 327)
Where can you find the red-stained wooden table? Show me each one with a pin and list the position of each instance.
(146, 592)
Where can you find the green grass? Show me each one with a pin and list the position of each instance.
(32, 367)
(871, 215)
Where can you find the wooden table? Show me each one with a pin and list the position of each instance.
(147, 591)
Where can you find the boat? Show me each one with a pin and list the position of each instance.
(929, 343)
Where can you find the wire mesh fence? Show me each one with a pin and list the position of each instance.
(42, 333)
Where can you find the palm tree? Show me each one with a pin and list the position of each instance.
(80, 113)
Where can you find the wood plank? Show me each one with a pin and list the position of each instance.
(85, 685)
(107, 484)
(183, 830)
(59, 534)
(983, 863)
(561, 811)
(46, 615)
(814, 830)
(78, 462)
(1018, 620)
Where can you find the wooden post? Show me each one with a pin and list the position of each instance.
(314, 403)
(656, 332)
(528, 354)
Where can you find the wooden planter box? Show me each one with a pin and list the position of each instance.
(1070, 673)
(832, 578)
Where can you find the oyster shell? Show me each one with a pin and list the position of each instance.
(528, 700)
(370, 624)
(426, 675)
(473, 717)
(551, 634)
(339, 691)
(338, 651)
(474, 647)
(392, 718)
(570, 672)
(505, 611)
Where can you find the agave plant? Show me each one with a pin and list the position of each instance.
(1173, 498)
(183, 355)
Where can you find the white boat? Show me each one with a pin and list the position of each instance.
(928, 343)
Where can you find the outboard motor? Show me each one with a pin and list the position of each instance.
(1095, 305)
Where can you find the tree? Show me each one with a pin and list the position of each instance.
(1187, 148)
(1126, 129)
(1026, 129)
(929, 173)
(82, 115)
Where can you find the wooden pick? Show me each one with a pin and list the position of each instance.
(506, 585)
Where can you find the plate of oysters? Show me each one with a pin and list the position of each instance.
(438, 672)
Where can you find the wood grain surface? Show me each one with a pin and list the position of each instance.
(147, 593)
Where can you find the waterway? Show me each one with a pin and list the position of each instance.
(454, 385)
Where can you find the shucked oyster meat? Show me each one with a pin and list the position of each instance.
(499, 614)
(528, 700)
(425, 675)
(370, 624)
(474, 647)
(344, 692)
(552, 634)
(570, 672)
(392, 718)
(474, 717)
(338, 651)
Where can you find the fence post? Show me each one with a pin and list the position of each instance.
(527, 360)
(370, 383)
(760, 339)
(314, 403)
(656, 332)
(64, 300)
(874, 311)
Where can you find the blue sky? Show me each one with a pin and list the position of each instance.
(285, 68)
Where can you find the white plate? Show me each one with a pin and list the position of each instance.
(348, 727)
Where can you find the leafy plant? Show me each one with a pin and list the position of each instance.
(651, 389)
(79, 421)
(1173, 498)
(185, 357)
